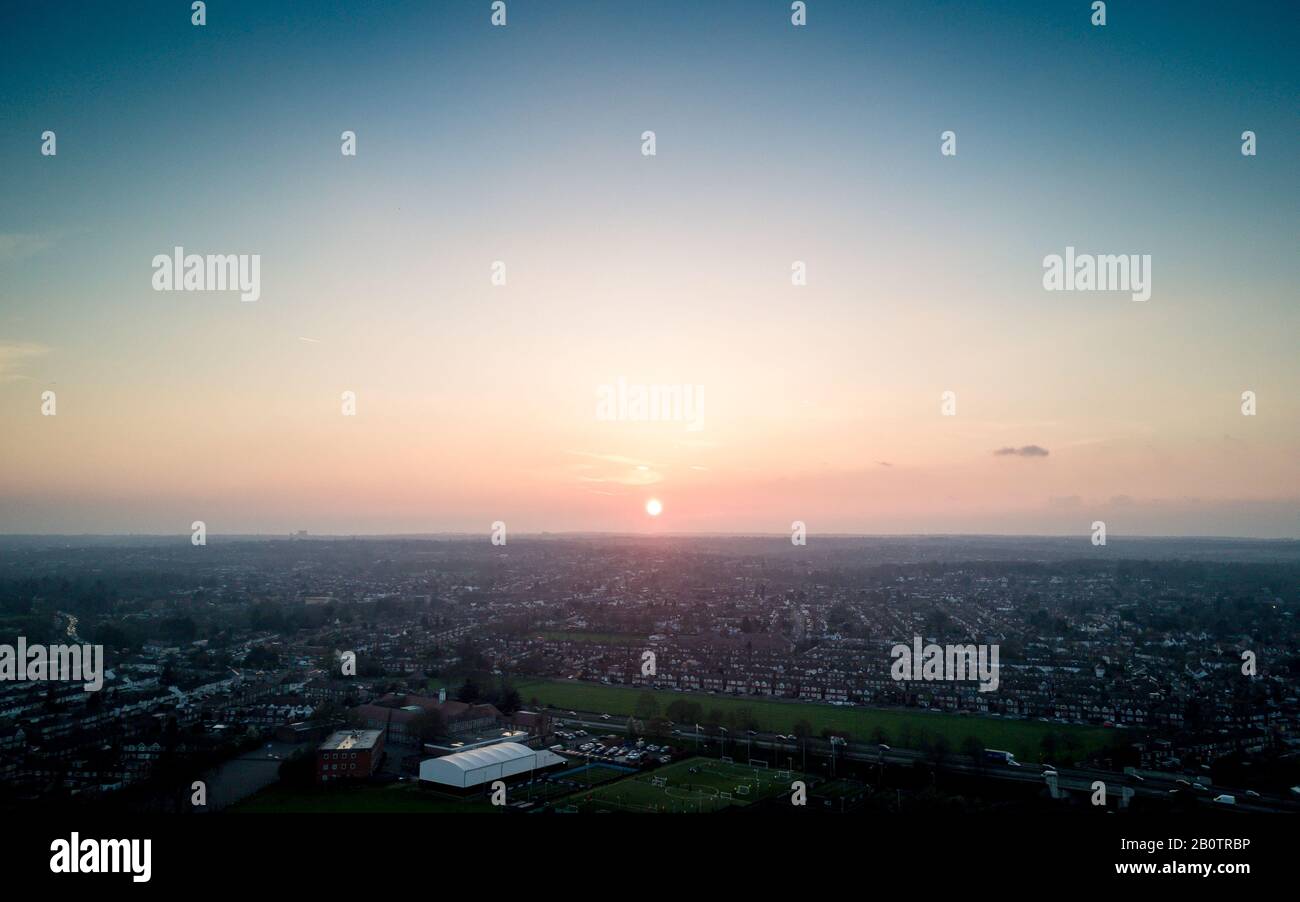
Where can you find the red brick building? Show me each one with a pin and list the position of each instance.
(349, 755)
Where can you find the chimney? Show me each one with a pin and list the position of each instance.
(442, 695)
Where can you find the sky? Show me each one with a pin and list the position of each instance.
(477, 402)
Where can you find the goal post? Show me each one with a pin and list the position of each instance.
(725, 760)
(757, 763)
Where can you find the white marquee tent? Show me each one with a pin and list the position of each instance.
(493, 762)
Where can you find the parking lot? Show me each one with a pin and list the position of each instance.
(612, 749)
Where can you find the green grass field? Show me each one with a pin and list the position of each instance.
(712, 787)
(390, 799)
(1022, 737)
(597, 774)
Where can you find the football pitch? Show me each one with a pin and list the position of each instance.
(693, 785)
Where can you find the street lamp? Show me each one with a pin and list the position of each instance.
(835, 740)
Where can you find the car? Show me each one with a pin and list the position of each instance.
(604, 717)
(1252, 793)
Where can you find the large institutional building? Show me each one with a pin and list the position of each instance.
(395, 715)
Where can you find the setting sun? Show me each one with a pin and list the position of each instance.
(654, 507)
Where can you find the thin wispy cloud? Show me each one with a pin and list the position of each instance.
(614, 459)
(634, 478)
(15, 246)
(15, 355)
(615, 469)
(1022, 451)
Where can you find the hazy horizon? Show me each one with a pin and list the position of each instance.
(481, 534)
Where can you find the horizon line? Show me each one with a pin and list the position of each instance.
(634, 535)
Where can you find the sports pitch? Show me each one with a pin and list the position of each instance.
(714, 785)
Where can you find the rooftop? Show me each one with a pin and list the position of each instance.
(345, 740)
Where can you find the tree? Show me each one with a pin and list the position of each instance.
(682, 711)
(429, 726)
(179, 629)
(468, 692)
(112, 636)
(327, 712)
(262, 658)
(510, 701)
(470, 657)
(1049, 745)
(743, 718)
(940, 750)
(265, 616)
(646, 706)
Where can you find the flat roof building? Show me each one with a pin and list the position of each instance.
(451, 747)
(349, 755)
